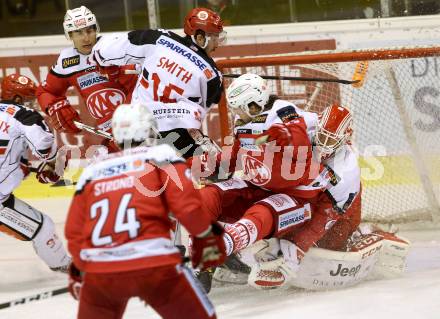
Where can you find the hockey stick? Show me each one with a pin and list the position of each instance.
(36, 297)
(93, 130)
(360, 72)
(312, 99)
(296, 78)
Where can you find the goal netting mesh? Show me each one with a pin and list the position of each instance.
(396, 108)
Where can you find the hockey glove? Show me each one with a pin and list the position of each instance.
(292, 255)
(46, 173)
(75, 281)
(112, 73)
(279, 133)
(209, 250)
(61, 117)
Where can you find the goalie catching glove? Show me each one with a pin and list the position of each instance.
(208, 250)
(278, 272)
(62, 116)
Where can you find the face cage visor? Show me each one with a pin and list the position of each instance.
(328, 142)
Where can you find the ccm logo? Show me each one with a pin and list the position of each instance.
(343, 271)
(371, 251)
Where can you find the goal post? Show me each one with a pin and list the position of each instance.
(395, 101)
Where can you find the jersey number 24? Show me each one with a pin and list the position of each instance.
(125, 220)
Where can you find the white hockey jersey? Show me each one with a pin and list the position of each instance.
(20, 129)
(281, 111)
(344, 175)
(174, 70)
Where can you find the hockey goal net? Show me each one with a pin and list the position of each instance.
(396, 108)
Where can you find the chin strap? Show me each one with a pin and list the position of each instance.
(207, 38)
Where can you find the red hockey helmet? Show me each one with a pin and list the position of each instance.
(18, 85)
(202, 19)
(333, 130)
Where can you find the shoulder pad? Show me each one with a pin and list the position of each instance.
(141, 37)
(11, 109)
(29, 117)
(70, 61)
(287, 113)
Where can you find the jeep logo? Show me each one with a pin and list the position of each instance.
(345, 271)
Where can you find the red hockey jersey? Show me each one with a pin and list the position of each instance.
(118, 219)
(101, 95)
(289, 170)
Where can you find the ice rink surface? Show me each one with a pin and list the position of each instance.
(414, 296)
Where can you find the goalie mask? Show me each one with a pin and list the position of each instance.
(134, 122)
(333, 130)
(247, 89)
(77, 19)
(18, 88)
(207, 21)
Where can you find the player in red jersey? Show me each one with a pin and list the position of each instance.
(118, 228)
(76, 68)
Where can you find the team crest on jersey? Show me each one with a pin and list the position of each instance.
(90, 79)
(68, 62)
(287, 114)
(255, 171)
(101, 102)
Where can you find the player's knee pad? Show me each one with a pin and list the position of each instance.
(20, 220)
(287, 213)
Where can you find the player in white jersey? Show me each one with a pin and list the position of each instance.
(21, 129)
(177, 71)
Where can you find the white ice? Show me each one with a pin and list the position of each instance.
(414, 296)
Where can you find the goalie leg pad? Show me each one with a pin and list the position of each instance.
(392, 259)
(323, 269)
(19, 220)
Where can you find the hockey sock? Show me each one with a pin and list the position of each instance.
(239, 235)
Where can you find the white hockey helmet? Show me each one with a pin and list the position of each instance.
(246, 89)
(78, 18)
(334, 129)
(134, 122)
